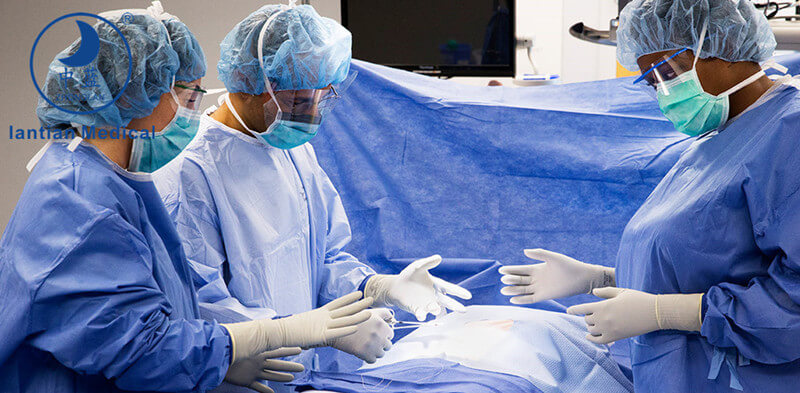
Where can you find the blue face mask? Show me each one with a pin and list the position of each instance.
(149, 154)
(282, 133)
(287, 134)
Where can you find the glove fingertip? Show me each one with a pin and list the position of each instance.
(573, 311)
(526, 299)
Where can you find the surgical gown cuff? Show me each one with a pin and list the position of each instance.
(231, 345)
(363, 284)
(703, 307)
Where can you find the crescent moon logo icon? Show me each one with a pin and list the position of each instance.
(85, 52)
(88, 49)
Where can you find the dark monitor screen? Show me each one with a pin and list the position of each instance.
(445, 37)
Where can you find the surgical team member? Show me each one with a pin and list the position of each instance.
(261, 222)
(96, 292)
(707, 280)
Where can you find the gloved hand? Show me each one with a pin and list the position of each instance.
(249, 372)
(559, 276)
(313, 328)
(415, 290)
(629, 313)
(373, 338)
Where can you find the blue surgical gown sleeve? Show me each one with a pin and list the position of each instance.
(200, 231)
(99, 311)
(342, 273)
(761, 318)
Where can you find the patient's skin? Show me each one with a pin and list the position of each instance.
(717, 76)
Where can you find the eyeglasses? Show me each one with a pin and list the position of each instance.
(666, 69)
(311, 105)
(189, 96)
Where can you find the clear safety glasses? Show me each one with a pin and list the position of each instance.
(310, 105)
(667, 68)
(187, 96)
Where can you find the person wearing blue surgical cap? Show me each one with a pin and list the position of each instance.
(172, 115)
(98, 296)
(262, 224)
(707, 281)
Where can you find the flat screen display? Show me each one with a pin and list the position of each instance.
(445, 37)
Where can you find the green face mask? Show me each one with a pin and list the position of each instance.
(693, 111)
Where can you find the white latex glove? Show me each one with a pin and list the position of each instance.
(629, 313)
(415, 290)
(249, 372)
(373, 338)
(559, 276)
(313, 328)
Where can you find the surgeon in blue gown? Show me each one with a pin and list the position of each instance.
(262, 224)
(707, 281)
(96, 292)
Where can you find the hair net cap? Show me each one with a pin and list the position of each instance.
(87, 88)
(736, 30)
(302, 50)
(191, 56)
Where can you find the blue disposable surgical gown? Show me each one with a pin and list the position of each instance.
(725, 221)
(264, 228)
(96, 292)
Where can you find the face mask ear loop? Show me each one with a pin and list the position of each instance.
(743, 83)
(767, 65)
(239, 119)
(267, 83)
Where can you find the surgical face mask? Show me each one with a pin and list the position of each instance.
(149, 154)
(286, 134)
(690, 109)
(681, 96)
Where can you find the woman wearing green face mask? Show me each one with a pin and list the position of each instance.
(699, 95)
(707, 279)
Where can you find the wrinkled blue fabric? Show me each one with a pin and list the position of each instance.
(97, 294)
(737, 31)
(427, 375)
(155, 64)
(302, 50)
(477, 174)
(724, 222)
(427, 166)
(263, 228)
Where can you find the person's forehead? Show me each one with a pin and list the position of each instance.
(648, 60)
(651, 58)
